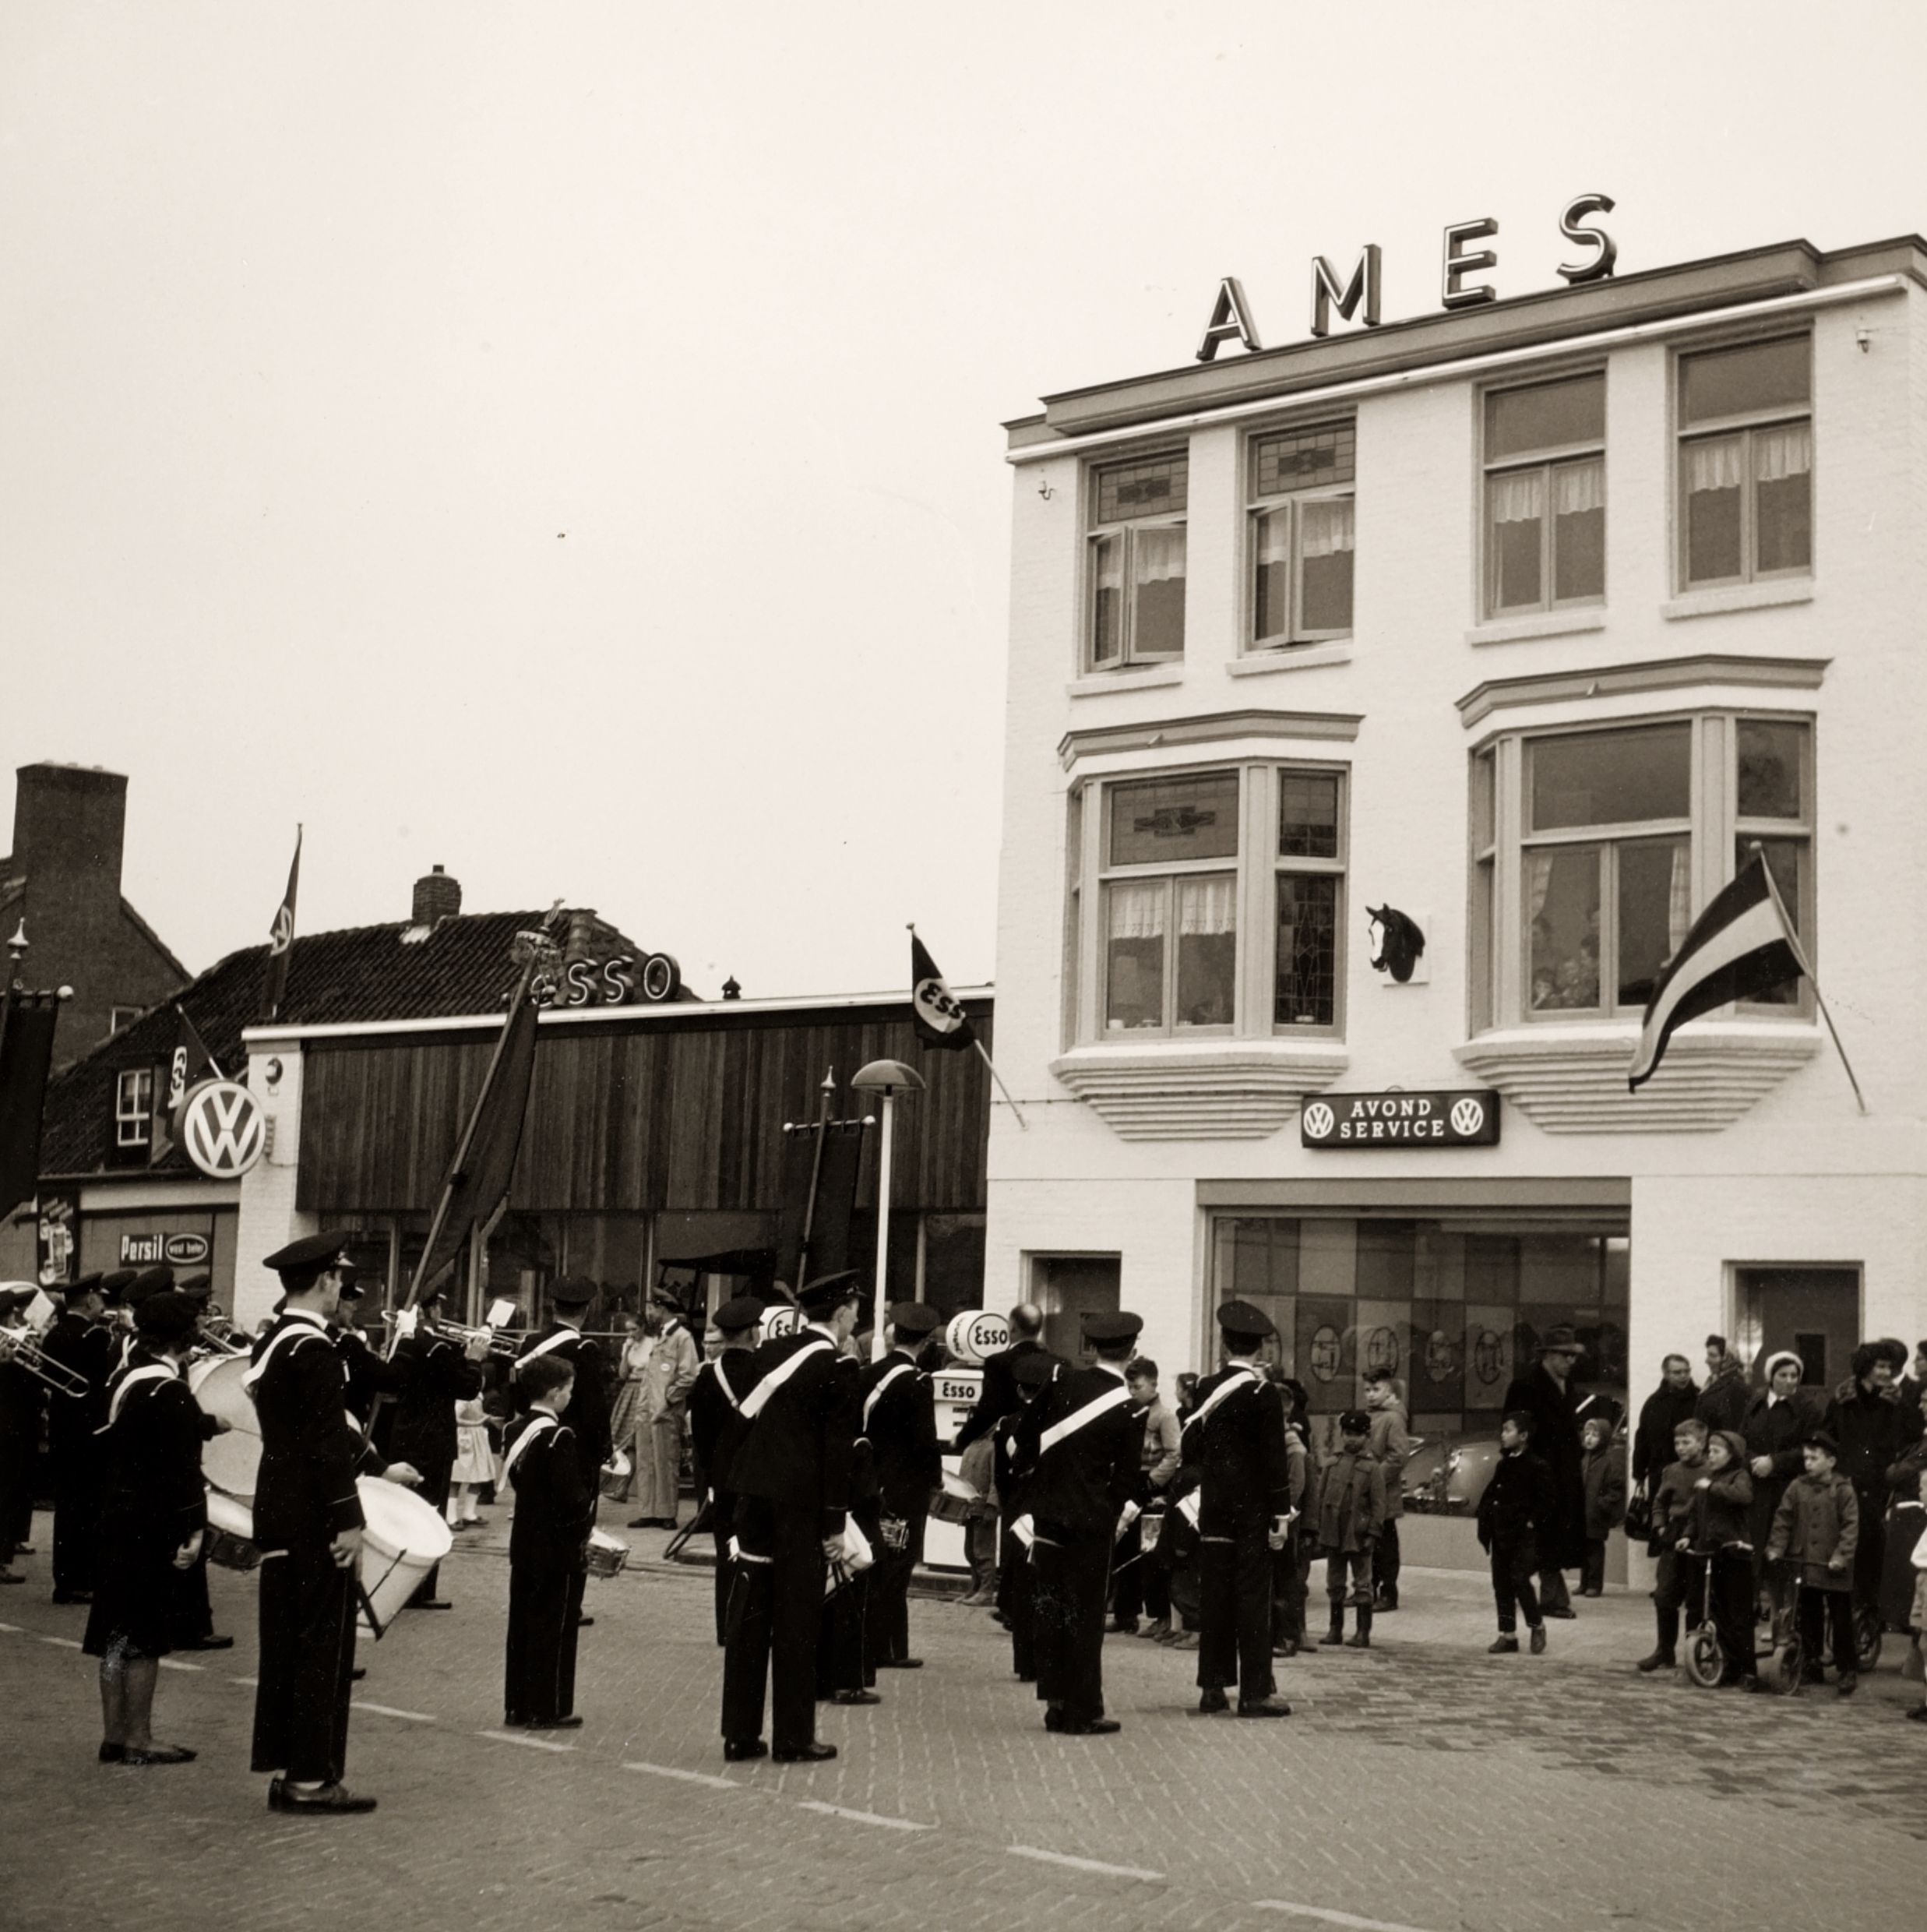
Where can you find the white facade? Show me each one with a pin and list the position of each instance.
(1747, 1152)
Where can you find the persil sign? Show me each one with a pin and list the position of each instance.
(1467, 1119)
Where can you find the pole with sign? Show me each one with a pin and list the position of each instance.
(888, 1078)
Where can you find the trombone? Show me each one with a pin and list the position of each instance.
(21, 1347)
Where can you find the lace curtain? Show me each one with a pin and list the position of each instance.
(1159, 556)
(1207, 906)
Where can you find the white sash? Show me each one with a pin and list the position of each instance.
(890, 1376)
(714, 1371)
(149, 1372)
(295, 1331)
(1240, 1378)
(1080, 1417)
(757, 1400)
(1189, 1506)
(540, 1426)
(1024, 1531)
(543, 1347)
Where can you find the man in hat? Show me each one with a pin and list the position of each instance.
(1016, 1595)
(717, 1429)
(1079, 1448)
(144, 1283)
(80, 1343)
(307, 1519)
(1233, 1439)
(587, 1414)
(791, 1476)
(900, 1417)
(655, 1445)
(1547, 1395)
(997, 1398)
(433, 1372)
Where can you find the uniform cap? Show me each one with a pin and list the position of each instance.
(1108, 1330)
(86, 1285)
(1242, 1322)
(912, 1319)
(167, 1315)
(153, 1281)
(736, 1316)
(827, 1290)
(1035, 1369)
(303, 1262)
(1560, 1340)
(115, 1283)
(1354, 1422)
(572, 1291)
(1821, 1440)
(200, 1284)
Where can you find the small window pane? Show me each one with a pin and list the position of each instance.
(1783, 503)
(1770, 758)
(1612, 778)
(1482, 801)
(1134, 954)
(1712, 475)
(1515, 511)
(1208, 950)
(1562, 890)
(1158, 820)
(1306, 991)
(1157, 559)
(1578, 531)
(1271, 586)
(1306, 459)
(1654, 913)
(1481, 937)
(1308, 814)
(1106, 599)
(1733, 382)
(1156, 488)
(1327, 524)
(1786, 860)
(1551, 416)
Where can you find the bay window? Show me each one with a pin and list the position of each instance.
(1545, 496)
(1301, 534)
(1136, 564)
(1746, 463)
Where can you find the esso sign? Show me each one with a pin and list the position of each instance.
(653, 980)
(781, 1319)
(975, 1334)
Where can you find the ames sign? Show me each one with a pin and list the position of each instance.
(1467, 1119)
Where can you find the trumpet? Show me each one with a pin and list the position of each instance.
(501, 1346)
(21, 1348)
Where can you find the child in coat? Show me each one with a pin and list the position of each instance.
(1713, 1531)
(1350, 1513)
(1818, 1525)
(1603, 1474)
(1518, 1503)
(1672, 1501)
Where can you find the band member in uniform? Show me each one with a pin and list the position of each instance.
(900, 1417)
(1016, 1596)
(1235, 1439)
(80, 1342)
(717, 1429)
(434, 1372)
(791, 1475)
(1080, 1449)
(153, 1513)
(307, 1519)
(554, 1511)
(845, 1671)
(23, 1399)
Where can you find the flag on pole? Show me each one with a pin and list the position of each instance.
(189, 1064)
(26, 1055)
(1741, 946)
(939, 1019)
(281, 935)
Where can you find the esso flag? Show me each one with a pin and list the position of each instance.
(223, 1129)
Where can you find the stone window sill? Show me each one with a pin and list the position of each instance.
(1102, 683)
(1517, 630)
(1738, 597)
(1296, 657)
(1229, 1090)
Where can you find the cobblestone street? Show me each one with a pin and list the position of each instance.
(1421, 1785)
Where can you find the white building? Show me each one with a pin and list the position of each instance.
(1525, 618)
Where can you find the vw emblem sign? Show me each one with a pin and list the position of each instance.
(223, 1129)
(1395, 1120)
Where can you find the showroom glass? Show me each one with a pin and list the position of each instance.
(1302, 522)
(1136, 562)
(1746, 463)
(1772, 792)
(1545, 496)
(1309, 882)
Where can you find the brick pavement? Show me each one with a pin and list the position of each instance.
(1420, 1784)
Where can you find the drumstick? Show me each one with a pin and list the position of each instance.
(368, 1608)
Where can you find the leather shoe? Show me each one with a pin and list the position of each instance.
(569, 1723)
(642, 1522)
(1537, 1640)
(1053, 1717)
(1565, 1613)
(1263, 1707)
(430, 1603)
(739, 1751)
(208, 1643)
(1504, 1645)
(899, 1663)
(1089, 1727)
(804, 1754)
(157, 1755)
(330, 1799)
(1211, 1702)
(582, 1623)
(112, 1754)
(357, 1673)
(855, 1696)
(1659, 1660)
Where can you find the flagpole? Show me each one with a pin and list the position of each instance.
(1806, 967)
(1000, 1079)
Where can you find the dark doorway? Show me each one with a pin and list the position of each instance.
(1815, 1312)
(1068, 1287)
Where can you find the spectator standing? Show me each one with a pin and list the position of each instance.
(1391, 1443)
(631, 1363)
(1871, 1433)
(1350, 1513)
(1662, 1412)
(1723, 1402)
(1603, 1473)
(662, 1415)
(1292, 1566)
(1517, 1501)
(1140, 1587)
(1778, 1420)
(1672, 1500)
(1716, 1527)
(1547, 1396)
(998, 1397)
(475, 1466)
(1818, 1525)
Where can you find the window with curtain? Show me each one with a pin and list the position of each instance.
(1545, 496)
(1746, 463)
(1136, 572)
(134, 1108)
(1584, 845)
(1302, 516)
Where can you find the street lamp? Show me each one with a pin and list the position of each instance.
(888, 1078)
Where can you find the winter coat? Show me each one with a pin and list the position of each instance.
(1720, 1513)
(1556, 1440)
(1603, 1474)
(1351, 1506)
(1818, 1525)
(1873, 1431)
(1662, 1412)
(1392, 1445)
(1722, 1403)
(1672, 1504)
(1519, 1501)
(1775, 1430)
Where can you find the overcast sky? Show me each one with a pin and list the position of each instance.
(561, 440)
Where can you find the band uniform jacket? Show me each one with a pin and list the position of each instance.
(797, 1453)
(998, 1397)
(1079, 1486)
(555, 1506)
(587, 1414)
(304, 1494)
(435, 1374)
(716, 1427)
(1238, 1449)
(87, 1349)
(902, 1431)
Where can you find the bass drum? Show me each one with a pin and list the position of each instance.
(230, 1538)
(231, 1460)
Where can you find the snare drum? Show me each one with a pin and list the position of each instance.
(230, 1540)
(402, 1540)
(607, 1553)
(233, 1459)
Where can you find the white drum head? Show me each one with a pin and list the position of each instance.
(231, 1461)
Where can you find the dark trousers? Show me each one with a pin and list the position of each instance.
(16, 1494)
(887, 1624)
(1235, 1634)
(1825, 1613)
(721, 1509)
(1676, 1584)
(1552, 1591)
(1128, 1559)
(775, 1604)
(1347, 1579)
(301, 1704)
(1592, 1572)
(539, 1668)
(1385, 1561)
(843, 1659)
(1733, 1609)
(1870, 1551)
(1071, 1576)
(76, 1519)
(197, 1609)
(1291, 1588)
(1512, 1566)
(1016, 1602)
(436, 1482)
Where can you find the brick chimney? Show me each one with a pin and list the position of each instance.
(437, 897)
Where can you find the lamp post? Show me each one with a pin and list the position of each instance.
(888, 1078)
